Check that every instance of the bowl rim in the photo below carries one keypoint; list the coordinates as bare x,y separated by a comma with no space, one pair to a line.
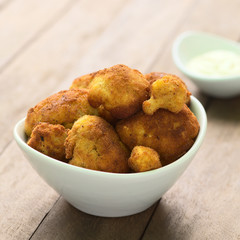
191,74
191,152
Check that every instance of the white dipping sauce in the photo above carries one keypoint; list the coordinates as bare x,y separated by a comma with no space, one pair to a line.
216,63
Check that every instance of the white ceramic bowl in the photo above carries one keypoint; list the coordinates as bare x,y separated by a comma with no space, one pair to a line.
191,44
110,194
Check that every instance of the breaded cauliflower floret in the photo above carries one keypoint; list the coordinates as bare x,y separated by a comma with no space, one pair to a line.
168,93
153,76
49,139
119,89
64,108
93,143
170,134
83,81
144,159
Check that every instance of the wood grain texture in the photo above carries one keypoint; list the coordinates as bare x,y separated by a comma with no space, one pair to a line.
91,61
134,37
216,17
41,68
75,224
24,197
204,203
54,45
22,192
24,22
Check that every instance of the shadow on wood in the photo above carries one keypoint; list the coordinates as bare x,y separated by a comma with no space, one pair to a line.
75,224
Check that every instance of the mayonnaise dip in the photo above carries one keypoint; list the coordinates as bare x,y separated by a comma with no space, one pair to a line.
216,63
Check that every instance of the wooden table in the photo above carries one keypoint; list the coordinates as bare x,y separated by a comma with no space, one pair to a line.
45,45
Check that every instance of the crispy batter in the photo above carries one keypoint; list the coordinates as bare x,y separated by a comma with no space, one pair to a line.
170,134
144,159
93,143
169,93
64,107
83,81
120,89
49,139
153,76
106,115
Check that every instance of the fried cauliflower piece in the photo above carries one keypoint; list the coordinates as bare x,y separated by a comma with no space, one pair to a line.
64,108
93,143
83,81
153,76
169,93
120,89
170,134
106,115
49,139
144,159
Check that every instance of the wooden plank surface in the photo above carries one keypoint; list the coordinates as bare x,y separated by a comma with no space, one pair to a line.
47,61
216,17
75,224
23,94
205,202
25,22
57,33
59,41
134,37
110,53
200,205
25,198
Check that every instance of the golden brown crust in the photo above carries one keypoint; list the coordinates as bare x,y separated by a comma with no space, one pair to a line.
169,93
120,89
93,143
170,134
83,81
106,115
154,76
144,159
115,93
49,139
64,108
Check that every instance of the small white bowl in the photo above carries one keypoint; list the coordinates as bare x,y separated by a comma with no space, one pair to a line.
191,44
110,194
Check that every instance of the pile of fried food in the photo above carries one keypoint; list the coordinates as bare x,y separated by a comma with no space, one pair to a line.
115,120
